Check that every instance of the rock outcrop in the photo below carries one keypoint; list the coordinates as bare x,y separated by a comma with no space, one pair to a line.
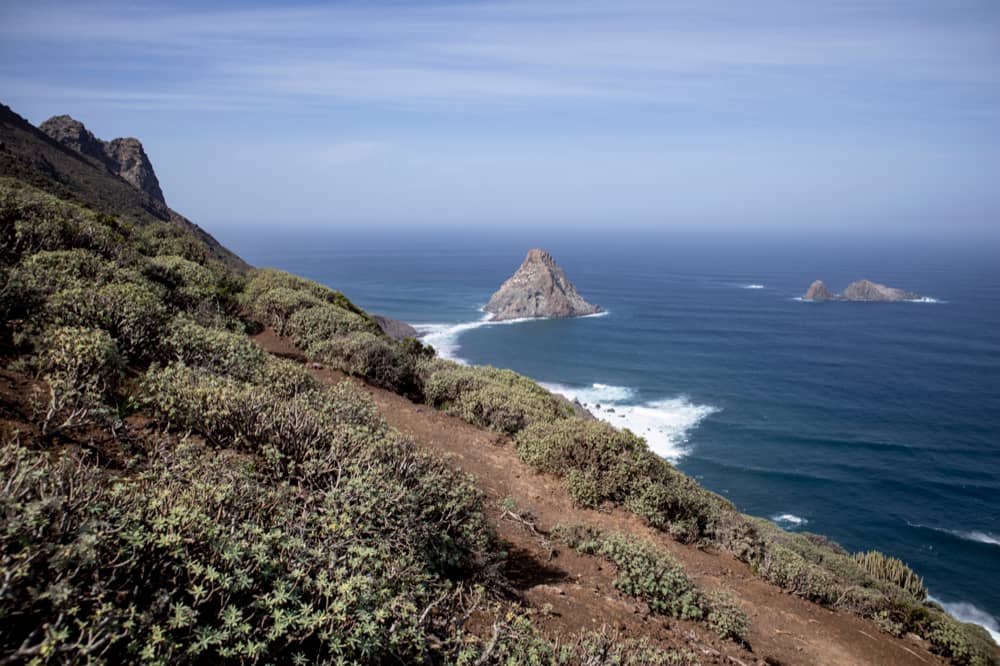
124,158
861,290
865,290
539,288
394,328
817,291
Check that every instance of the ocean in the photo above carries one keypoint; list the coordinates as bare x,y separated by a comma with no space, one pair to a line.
877,425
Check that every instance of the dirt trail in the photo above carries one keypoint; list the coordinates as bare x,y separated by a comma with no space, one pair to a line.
578,590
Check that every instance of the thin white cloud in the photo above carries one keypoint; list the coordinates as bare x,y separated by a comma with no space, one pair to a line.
712,54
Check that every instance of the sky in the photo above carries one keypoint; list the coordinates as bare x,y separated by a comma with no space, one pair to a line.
876,116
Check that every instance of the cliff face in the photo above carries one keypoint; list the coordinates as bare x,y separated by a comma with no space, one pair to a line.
124,158
861,290
539,288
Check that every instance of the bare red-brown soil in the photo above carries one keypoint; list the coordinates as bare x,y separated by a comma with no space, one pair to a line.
576,592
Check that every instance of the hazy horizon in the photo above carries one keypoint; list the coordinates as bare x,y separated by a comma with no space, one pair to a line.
879,117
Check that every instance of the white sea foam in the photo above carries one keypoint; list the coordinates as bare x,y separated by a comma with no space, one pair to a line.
968,535
596,394
444,337
789,520
664,424
966,612
924,299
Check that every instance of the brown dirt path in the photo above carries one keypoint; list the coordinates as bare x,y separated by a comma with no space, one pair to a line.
577,591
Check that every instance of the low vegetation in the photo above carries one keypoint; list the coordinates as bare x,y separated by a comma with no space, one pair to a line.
179,496
654,577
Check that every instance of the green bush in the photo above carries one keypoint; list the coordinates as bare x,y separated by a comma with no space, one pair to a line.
223,352
598,461
320,323
166,239
50,271
787,569
378,359
200,560
961,642
34,221
647,573
275,307
516,640
305,437
501,400
266,279
132,313
187,283
81,366
726,617
892,570
285,378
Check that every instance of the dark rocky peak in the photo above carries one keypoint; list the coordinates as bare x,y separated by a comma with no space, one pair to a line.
124,158
71,133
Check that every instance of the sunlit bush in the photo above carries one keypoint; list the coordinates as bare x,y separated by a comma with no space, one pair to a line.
379,359
81,366
201,560
598,461
220,351
645,572
501,400
134,314
316,324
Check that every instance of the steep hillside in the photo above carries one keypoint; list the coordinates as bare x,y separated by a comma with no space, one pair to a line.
204,466
115,178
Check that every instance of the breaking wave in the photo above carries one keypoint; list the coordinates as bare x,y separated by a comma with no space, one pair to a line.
789,520
665,424
966,612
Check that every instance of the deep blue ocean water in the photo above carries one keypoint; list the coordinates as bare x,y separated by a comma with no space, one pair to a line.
877,425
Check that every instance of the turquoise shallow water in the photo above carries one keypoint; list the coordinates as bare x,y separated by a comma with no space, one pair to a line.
875,424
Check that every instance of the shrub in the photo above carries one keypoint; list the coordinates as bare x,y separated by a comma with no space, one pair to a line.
962,642
202,561
35,221
378,359
266,279
643,571
305,437
166,239
81,366
317,324
133,314
54,270
598,461
276,306
726,617
501,400
187,282
516,640
220,351
892,570
285,378
787,569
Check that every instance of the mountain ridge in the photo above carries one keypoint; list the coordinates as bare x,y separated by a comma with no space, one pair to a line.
116,177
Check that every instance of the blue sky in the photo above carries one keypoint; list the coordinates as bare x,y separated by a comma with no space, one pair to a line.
879,115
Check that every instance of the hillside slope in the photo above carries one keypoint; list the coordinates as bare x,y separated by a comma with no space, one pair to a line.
199,465
30,155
